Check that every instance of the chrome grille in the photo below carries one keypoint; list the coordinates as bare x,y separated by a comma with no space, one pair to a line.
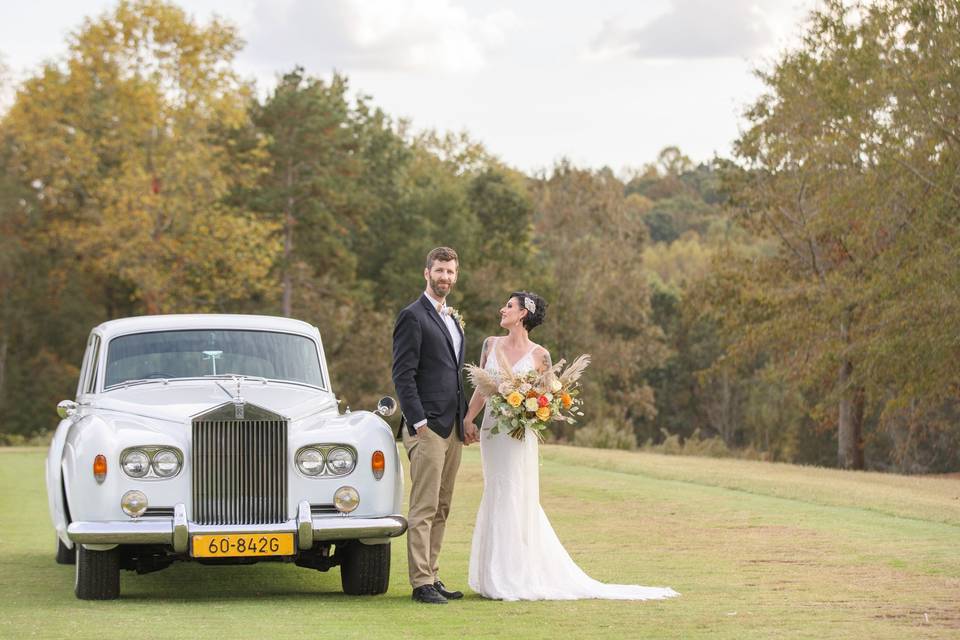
239,471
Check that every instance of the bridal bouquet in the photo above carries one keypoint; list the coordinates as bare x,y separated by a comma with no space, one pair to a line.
530,400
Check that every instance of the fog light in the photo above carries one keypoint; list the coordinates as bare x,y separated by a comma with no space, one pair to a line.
134,503
346,499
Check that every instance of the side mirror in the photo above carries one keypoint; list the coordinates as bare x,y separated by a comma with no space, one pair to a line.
66,408
387,406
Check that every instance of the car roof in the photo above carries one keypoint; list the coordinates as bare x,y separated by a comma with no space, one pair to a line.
180,322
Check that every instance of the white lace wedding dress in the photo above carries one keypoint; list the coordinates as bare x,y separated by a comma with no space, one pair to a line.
515,553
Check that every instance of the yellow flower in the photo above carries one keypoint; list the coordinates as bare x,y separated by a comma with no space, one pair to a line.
543,413
514,399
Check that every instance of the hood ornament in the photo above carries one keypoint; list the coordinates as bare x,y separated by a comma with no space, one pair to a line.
238,401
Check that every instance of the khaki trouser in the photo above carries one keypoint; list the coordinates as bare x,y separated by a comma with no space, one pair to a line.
433,470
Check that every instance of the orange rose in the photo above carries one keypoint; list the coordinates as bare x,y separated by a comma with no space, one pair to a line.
543,413
566,400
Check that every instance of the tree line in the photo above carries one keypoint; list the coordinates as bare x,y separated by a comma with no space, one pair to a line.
795,302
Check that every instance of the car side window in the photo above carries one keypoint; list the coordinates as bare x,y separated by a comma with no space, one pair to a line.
92,365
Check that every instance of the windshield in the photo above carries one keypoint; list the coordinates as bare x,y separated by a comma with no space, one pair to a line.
192,354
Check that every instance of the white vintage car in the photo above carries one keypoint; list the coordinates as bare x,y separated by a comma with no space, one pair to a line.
218,439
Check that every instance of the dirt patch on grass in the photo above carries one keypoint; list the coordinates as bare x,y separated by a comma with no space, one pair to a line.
936,617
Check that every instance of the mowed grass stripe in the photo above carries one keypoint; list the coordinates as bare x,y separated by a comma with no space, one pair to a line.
757,560
936,499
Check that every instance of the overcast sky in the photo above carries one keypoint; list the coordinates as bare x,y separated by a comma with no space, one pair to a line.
604,82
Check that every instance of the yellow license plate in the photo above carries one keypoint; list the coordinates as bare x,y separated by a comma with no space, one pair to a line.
243,544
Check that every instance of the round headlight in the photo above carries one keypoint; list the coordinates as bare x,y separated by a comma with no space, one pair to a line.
346,499
135,463
166,463
134,503
310,462
340,461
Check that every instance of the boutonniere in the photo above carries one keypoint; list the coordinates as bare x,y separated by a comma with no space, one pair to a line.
453,313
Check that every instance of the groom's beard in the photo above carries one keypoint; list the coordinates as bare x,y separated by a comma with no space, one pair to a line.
441,290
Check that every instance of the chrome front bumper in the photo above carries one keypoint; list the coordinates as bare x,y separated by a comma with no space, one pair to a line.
177,531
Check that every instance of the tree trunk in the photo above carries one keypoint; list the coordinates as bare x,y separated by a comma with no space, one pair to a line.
4,344
287,279
719,407
850,426
727,408
288,248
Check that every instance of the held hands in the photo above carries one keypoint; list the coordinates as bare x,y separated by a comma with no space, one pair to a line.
470,433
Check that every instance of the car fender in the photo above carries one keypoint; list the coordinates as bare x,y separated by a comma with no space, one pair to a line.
366,432
53,476
109,435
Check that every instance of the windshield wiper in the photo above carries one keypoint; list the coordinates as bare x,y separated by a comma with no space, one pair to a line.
261,379
129,383
231,376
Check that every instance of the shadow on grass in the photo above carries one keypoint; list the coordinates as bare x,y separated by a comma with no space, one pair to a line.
36,575
188,581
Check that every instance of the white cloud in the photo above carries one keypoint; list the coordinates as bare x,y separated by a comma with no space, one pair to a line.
407,35
690,29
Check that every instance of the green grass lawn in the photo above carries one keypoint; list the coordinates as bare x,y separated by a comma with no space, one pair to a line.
757,550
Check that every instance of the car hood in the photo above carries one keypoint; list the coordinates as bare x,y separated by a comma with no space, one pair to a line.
179,401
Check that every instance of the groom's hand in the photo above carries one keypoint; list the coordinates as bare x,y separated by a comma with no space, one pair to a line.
470,434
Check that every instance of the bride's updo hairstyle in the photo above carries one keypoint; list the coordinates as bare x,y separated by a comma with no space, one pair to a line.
527,300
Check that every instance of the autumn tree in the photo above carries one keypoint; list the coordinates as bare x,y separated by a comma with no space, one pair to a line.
116,162
591,243
125,145
313,186
850,165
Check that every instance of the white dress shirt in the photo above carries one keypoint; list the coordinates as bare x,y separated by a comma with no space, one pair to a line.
447,320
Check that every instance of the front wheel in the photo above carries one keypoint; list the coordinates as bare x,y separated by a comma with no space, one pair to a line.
98,574
65,555
365,568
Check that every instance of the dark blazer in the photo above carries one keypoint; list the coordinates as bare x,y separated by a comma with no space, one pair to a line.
426,371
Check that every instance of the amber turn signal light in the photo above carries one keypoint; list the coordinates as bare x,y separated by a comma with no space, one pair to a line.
100,468
377,463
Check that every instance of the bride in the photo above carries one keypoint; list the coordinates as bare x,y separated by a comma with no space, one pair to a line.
515,553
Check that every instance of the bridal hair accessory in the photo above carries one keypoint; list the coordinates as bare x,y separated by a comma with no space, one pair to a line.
529,305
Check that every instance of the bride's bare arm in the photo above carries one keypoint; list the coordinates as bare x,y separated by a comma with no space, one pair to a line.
477,400
542,359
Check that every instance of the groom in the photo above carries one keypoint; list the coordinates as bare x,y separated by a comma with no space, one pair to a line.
428,348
